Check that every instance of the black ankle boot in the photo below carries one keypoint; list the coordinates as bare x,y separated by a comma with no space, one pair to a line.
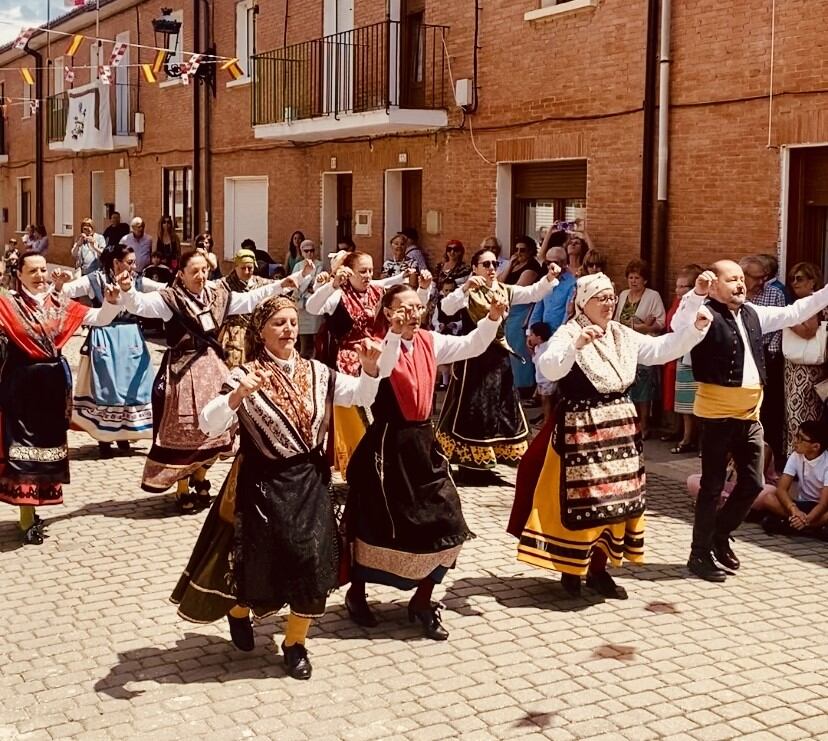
297,661
241,632
358,610
605,585
571,584
430,620
104,451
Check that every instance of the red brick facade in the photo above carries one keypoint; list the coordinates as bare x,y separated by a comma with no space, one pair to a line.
570,85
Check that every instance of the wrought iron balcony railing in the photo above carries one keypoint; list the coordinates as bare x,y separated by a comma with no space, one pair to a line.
122,107
386,65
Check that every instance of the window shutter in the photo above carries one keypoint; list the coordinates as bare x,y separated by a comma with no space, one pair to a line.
550,180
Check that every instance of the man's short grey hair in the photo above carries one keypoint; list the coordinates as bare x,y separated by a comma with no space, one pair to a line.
753,260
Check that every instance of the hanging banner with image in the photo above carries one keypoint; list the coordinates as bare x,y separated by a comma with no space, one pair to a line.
89,119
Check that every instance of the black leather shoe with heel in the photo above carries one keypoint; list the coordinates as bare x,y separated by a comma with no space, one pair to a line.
430,620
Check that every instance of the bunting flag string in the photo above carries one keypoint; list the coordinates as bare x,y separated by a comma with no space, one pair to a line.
118,53
68,74
26,75
74,45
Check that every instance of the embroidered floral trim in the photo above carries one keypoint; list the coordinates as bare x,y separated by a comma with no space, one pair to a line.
39,455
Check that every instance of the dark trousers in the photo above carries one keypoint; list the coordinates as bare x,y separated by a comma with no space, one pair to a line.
744,441
772,413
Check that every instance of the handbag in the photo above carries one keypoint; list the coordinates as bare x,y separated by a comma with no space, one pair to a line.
805,352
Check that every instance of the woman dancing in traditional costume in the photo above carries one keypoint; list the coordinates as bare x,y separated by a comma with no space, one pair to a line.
113,391
271,539
588,503
481,422
234,329
190,375
350,298
403,512
36,389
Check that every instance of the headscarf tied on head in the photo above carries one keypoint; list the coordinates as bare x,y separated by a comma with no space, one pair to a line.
589,286
253,340
244,256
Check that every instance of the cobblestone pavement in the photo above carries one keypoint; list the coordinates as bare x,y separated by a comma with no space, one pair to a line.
92,649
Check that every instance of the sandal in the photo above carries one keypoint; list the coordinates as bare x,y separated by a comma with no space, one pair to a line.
185,503
683,448
201,494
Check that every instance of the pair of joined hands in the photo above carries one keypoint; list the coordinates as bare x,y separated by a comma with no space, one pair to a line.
593,331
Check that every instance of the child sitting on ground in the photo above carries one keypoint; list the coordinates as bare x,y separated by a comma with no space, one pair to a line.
808,467
537,341
769,476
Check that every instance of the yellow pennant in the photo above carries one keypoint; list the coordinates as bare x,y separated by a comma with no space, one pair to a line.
159,61
149,74
26,75
74,45
232,66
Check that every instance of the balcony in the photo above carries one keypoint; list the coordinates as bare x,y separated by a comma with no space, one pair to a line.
389,77
92,118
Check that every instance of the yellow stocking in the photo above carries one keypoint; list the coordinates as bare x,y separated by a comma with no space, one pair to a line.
296,630
27,517
239,611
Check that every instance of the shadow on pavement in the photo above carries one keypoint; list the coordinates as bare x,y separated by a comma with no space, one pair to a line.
518,591
10,537
669,498
195,658
153,507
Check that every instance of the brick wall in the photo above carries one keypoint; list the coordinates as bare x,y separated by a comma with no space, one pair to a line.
567,86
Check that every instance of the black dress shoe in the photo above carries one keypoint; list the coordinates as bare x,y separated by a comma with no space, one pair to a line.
724,554
571,584
241,633
359,611
123,446
297,662
430,620
33,536
705,568
605,585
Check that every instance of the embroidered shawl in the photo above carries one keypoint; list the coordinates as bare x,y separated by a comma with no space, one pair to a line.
362,309
290,413
40,330
610,361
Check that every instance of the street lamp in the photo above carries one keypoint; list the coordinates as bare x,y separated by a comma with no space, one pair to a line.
167,30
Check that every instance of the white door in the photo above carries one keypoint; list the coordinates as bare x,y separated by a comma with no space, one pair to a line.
122,108
338,24
98,207
122,204
245,213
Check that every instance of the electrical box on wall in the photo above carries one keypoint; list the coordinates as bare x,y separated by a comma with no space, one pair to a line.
464,92
434,222
139,122
362,223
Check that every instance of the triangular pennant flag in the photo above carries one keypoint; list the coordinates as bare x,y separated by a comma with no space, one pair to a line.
34,105
160,57
74,45
105,74
149,73
118,52
233,68
185,74
74,3
23,38
68,74
193,65
26,75
4,110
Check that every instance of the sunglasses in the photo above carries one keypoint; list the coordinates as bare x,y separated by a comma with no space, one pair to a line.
308,251
487,263
800,278
454,249
592,264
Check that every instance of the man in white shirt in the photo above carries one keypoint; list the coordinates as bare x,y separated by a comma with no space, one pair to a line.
729,366
140,243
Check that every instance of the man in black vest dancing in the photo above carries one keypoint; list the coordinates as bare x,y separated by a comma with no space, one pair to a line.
729,366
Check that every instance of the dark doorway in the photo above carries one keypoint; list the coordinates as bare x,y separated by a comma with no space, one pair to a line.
412,199
807,237
344,206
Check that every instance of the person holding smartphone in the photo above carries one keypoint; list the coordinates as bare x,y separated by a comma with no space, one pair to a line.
88,248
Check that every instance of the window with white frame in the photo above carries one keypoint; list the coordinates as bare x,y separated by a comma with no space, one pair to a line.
24,203
555,7
64,202
177,199
96,57
58,79
245,34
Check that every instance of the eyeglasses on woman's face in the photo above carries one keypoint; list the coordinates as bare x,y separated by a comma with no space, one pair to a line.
799,278
605,299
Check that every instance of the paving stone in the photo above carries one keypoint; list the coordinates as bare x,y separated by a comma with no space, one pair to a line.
93,649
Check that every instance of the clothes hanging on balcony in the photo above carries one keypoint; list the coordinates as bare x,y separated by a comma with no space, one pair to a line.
88,118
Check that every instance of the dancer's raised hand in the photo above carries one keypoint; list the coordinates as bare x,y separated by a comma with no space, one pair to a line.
369,352
588,335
